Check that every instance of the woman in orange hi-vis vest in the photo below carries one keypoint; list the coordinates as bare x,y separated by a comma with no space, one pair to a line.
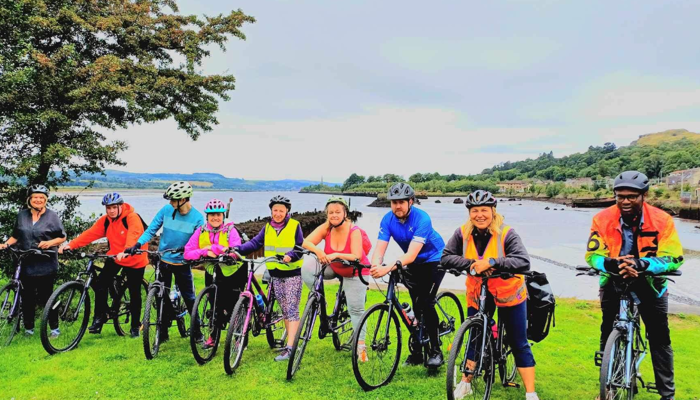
485,244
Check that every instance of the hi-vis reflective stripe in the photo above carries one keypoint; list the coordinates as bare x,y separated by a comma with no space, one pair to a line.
279,249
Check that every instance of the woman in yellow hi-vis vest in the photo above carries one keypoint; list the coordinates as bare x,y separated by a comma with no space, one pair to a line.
279,236
485,244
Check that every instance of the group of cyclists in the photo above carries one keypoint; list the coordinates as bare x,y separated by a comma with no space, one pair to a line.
625,239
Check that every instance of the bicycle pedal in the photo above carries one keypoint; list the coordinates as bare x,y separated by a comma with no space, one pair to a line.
651,387
598,358
512,385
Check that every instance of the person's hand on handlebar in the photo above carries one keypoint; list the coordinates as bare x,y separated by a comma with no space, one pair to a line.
63,248
377,271
45,244
481,267
286,258
322,256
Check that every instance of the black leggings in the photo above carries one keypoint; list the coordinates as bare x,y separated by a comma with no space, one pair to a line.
424,280
37,290
134,277
229,289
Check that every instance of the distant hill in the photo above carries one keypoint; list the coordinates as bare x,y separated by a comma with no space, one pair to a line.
671,135
131,180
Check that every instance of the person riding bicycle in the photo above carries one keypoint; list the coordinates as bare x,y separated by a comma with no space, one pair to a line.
37,227
484,244
179,220
213,239
629,237
279,237
412,229
122,227
343,240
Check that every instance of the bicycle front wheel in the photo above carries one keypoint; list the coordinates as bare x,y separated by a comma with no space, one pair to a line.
506,366
204,321
9,322
121,308
450,316
236,337
276,332
471,362
152,324
70,316
377,364
613,384
342,331
306,327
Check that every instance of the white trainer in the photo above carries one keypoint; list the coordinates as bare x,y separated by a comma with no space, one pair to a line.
462,390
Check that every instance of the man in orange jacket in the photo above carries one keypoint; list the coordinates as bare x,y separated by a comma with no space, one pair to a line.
122,227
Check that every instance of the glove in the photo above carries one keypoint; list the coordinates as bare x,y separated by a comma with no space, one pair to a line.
611,265
640,265
133,249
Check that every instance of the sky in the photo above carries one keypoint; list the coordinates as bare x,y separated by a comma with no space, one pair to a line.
328,88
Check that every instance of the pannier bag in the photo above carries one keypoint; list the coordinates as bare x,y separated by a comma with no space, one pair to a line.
540,306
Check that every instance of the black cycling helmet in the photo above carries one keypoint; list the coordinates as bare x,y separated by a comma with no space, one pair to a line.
281,200
400,191
480,198
37,189
632,180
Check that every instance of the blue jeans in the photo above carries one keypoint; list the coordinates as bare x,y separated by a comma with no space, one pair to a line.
515,320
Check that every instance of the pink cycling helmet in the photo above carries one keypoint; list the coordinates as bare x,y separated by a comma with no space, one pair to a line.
215,206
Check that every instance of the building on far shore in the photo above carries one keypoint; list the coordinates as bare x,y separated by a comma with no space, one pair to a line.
513,186
689,176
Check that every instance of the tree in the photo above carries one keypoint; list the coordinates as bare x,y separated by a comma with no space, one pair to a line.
417,178
69,68
391,178
353,180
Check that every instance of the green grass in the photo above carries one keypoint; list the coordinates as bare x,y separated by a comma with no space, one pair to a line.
110,367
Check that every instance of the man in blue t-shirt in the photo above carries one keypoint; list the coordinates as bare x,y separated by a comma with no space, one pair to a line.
179,220
413,231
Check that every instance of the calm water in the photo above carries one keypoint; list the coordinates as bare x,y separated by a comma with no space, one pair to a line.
558,236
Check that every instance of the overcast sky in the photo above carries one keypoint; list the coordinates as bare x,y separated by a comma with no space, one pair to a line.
328,88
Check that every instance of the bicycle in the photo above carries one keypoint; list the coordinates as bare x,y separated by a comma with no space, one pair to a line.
264,311
159,305
205,316
625,347
337,324
11,297
383,337
476,357
71,303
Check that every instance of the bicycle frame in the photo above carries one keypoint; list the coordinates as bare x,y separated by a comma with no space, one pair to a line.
319,292
253,286
627,322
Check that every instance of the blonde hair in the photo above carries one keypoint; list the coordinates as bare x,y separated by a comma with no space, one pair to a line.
494,227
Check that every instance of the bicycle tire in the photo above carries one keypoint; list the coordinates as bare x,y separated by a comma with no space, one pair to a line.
62,301
450,317
275,331
457,361
151,326
302,337
121,313
238,328
612,388
342,331
206,319
185,321
506,366
9,324
374,327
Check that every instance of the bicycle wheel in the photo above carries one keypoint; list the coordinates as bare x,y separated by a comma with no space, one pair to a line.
342,331
275,331
72,316
237,334
450,316
151,326
183,318
9,324
613,385
121,311
205,321
383,345
471,361
306,327
506,366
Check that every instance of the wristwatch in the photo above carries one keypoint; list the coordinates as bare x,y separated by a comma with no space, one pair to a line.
492,262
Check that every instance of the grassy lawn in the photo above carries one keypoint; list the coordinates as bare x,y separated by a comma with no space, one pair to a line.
108,366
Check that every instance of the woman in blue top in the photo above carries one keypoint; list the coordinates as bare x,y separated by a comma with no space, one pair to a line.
413,231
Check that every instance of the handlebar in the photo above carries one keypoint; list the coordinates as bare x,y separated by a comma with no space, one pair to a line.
471,272
160,253
39,252
355,264
584,270
91,256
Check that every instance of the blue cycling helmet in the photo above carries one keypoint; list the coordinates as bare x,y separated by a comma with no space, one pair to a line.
111,199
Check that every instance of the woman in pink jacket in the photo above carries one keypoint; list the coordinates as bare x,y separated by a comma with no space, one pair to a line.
211,240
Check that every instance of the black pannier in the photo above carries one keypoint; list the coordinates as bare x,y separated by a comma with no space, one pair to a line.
540,306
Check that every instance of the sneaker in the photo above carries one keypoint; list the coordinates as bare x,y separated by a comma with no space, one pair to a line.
362,353
284,354
531,396
97,323
29,332
134,333
54,333
413,359
435,359
462,390
208,344
198,336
